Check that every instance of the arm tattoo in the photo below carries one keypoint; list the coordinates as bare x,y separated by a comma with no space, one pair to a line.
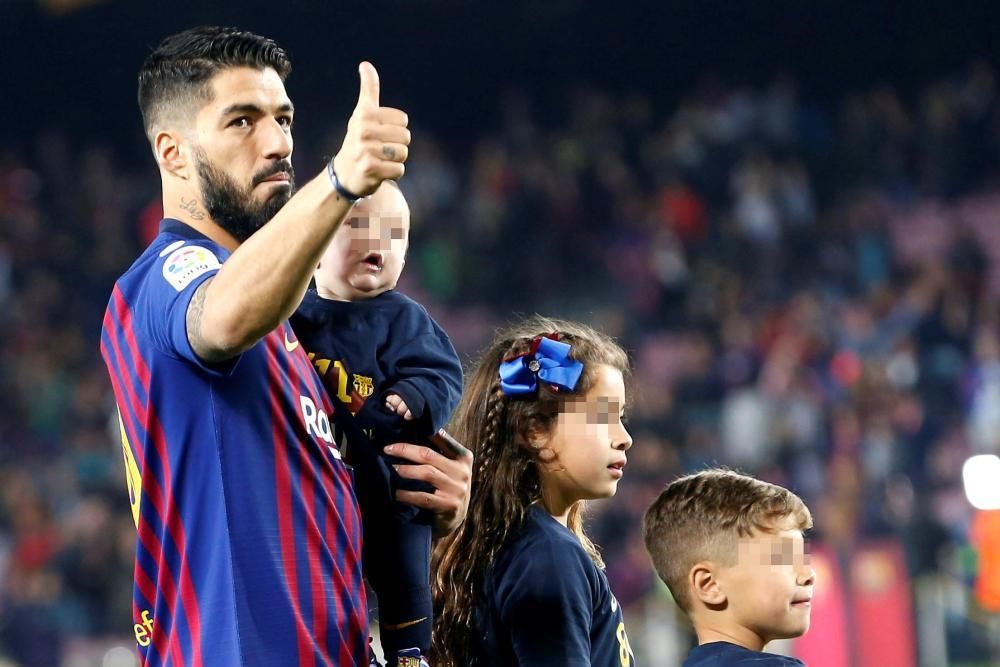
191,206
195,311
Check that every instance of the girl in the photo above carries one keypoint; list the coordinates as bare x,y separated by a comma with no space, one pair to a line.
519,583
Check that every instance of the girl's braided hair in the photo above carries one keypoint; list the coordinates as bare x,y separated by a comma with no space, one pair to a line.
505,479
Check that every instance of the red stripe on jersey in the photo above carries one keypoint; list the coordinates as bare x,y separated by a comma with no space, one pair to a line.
151,490
175,526
157,646
350,515
126,395
344,653
160,640
314,538
307,371
283,493
342,613
313,555
145,585
357,621
166,583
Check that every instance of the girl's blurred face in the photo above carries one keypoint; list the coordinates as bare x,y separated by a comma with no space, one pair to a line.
587,445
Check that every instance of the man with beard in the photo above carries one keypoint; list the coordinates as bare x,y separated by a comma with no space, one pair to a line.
249,543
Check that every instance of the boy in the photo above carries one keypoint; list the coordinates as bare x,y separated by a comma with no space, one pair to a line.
730,549
394,369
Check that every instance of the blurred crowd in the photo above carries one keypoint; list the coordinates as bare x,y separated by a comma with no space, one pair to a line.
810,292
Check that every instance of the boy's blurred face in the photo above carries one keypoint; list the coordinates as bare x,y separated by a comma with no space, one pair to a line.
769,588
367,253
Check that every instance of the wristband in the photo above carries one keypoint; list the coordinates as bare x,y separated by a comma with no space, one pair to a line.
338,186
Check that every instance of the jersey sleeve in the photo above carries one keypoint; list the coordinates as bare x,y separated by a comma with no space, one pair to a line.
171,281
545,600
426,369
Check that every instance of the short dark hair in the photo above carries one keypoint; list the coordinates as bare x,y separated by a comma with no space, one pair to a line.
179,70
698,517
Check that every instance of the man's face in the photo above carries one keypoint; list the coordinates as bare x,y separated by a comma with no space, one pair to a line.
243,149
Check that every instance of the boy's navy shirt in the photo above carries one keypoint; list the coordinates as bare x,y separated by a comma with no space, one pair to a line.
724,654
546,603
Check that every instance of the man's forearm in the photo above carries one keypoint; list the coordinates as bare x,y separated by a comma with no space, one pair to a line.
264,280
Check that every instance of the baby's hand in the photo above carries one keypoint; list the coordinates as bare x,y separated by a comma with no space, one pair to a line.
396,404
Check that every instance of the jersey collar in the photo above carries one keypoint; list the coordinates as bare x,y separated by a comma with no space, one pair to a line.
174,226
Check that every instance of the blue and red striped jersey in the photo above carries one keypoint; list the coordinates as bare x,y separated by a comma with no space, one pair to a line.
249,535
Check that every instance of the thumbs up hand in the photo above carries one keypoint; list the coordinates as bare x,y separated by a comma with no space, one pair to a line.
377,140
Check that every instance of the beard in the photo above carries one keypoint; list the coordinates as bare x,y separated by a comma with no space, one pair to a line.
235,208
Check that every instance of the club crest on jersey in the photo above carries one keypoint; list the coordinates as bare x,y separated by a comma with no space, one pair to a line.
363,385
187,263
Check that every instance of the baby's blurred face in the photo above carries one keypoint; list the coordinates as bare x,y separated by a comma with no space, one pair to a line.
366,256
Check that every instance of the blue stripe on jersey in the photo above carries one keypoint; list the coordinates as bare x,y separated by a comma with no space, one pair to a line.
319,460
308,553
356,606
132,387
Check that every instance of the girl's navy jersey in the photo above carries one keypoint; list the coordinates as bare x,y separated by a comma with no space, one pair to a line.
249,535
364,349
546,603
724,654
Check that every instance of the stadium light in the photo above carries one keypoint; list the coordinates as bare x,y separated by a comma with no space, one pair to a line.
981,475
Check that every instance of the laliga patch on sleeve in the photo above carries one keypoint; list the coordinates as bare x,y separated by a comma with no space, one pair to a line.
187,263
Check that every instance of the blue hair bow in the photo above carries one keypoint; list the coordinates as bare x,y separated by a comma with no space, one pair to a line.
548,361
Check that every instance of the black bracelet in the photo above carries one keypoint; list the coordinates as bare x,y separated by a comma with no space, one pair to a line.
338,186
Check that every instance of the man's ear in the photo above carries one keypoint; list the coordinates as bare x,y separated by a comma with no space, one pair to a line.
173,154
704,583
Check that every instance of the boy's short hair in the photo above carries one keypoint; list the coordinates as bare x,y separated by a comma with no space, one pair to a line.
699,517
